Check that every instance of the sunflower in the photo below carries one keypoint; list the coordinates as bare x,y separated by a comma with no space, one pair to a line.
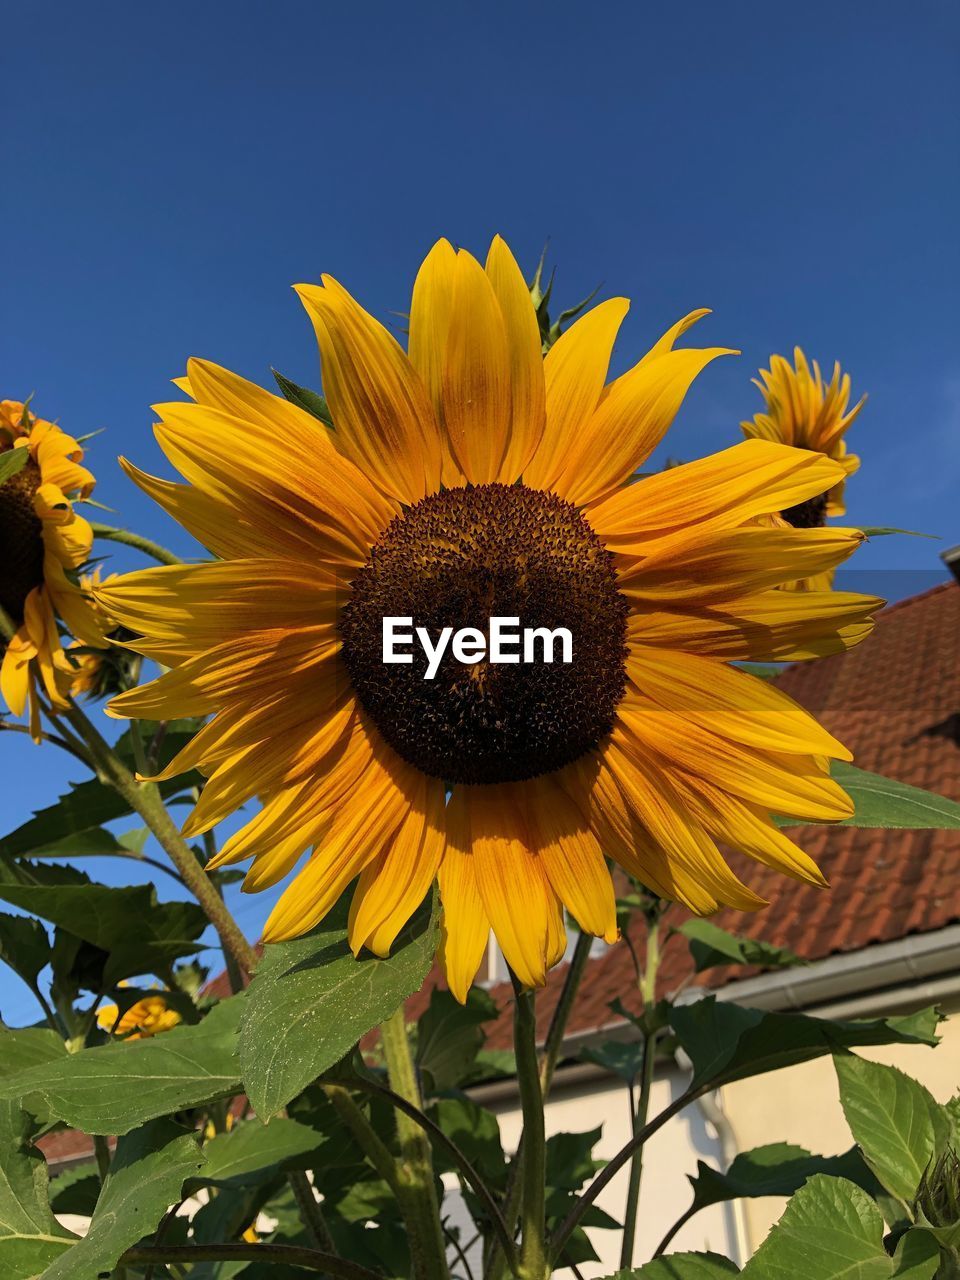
43,540
803,411
147,1017
467,479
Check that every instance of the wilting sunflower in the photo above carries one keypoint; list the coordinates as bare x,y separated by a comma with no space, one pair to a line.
42,540
465,479
804,411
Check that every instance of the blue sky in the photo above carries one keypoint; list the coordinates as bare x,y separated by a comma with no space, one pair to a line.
172,170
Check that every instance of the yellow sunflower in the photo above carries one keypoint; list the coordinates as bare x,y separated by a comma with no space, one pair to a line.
148,1017
43,540
804,411
469,479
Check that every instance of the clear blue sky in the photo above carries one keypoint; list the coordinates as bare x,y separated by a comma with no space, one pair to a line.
171,170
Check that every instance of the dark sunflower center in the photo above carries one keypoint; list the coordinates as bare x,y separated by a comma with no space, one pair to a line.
811,514
21,540
458,559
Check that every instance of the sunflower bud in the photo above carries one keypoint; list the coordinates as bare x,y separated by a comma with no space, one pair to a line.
938,1198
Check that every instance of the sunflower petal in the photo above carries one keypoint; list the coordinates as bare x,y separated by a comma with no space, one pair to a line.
464,927
382,414
630,422
476,387
730,703
363,826
726,489
521,906
704,568
574,371
430,310
572,859
768,626
390,890
527,415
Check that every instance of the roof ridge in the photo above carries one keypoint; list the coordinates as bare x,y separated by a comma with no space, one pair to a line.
921,595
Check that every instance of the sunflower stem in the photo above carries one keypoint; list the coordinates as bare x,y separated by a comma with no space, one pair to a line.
551,1053
376,1151
648,989
533,1259
149,548
144,799
311,1215
419,1192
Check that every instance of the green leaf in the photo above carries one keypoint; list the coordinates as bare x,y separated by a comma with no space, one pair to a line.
476,1131
832,1230
894,1119
450,1035
683,1266
115,1087
250,1147
24,946
569,1159
623,1058
710,946
12,462
28,1047
140,934
30,1236
76,1191
778,1169
877,532
726,1041
311,1001
882,802
87,805
312,401
146,1176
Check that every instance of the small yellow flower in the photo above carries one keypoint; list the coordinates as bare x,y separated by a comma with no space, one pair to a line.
43,541
148,1017
250,1235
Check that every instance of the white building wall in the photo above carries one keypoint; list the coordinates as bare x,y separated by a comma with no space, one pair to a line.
671,1154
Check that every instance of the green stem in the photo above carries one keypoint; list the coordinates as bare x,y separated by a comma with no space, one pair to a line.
102,1153
292,1255
376,1151
310,1212
146,545
551,1053
613,1167
636,1162
467,1170
561,1014
51,1018
648,989
680,1222
234,972
52,738
416,1164
533,1261
144,799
